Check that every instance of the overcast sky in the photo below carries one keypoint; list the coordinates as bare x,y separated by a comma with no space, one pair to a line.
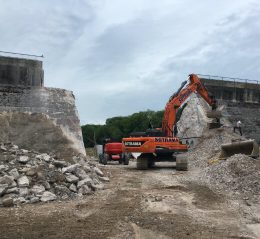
126,56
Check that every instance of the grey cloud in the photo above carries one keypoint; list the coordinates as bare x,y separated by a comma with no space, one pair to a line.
122,58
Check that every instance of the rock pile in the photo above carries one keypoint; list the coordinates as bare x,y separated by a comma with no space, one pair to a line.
209,147
238,174
29,177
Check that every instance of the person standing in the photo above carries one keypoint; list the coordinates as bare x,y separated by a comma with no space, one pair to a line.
238,126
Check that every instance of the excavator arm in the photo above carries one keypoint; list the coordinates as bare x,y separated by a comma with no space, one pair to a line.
193,85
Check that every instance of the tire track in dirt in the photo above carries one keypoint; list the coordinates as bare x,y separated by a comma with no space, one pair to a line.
135,204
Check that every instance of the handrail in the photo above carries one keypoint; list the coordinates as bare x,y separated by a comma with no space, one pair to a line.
21,54
212,77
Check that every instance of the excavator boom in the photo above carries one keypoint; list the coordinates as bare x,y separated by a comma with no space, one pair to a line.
194,85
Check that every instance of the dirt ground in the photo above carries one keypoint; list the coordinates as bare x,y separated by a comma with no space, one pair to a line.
135,204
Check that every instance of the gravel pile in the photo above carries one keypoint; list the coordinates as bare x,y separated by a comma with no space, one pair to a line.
209,147
30,177
239,174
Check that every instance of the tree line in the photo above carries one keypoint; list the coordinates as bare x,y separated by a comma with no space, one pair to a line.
121,126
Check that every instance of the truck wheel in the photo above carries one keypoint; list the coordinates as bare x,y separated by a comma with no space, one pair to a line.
181,163
100,157
151,163
121,159
142,162
105,159
126,159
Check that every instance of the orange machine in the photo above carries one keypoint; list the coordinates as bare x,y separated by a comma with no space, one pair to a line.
160,144
112,151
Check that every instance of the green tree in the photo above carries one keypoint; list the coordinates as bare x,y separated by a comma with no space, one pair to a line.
119,127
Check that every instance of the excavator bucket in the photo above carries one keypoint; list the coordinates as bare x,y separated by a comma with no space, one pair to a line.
247,147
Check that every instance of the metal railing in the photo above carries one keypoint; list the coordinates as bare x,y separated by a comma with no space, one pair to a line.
225,78
21,54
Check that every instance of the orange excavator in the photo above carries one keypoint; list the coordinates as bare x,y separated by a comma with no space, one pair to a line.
160,144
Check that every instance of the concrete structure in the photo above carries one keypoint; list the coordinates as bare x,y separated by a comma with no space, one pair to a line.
235,90
22,91
20,72
241,99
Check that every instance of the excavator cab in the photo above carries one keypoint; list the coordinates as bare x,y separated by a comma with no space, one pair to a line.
148,133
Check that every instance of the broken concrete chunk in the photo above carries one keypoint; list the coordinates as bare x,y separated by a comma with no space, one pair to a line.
34,199
48,196
98,172
51,166
14,173
84,190
14,190
99,186
46,185
8,180
24,151
3,148
3,168
23,181
73,188
37,189
71,168
87,168
61,190
104,179
23,159
44,157
3,188
31,171
86,181
23,192
20,200
80,173
60,163
55,177
15,147
71,178
8,202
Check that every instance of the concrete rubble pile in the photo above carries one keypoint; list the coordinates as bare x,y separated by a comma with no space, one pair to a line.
30,177
239,174
208,147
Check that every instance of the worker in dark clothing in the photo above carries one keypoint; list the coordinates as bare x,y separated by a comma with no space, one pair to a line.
238,126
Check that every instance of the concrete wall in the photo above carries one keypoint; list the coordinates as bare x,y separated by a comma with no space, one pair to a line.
20,72
26,94
241,101
235,91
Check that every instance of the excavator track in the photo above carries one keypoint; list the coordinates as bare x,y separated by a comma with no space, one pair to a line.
145,161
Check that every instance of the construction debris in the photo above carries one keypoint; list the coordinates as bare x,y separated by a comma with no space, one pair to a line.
237,176
29,177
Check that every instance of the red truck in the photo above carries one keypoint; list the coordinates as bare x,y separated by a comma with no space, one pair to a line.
112,151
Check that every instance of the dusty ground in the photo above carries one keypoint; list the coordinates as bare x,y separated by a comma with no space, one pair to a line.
135,204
